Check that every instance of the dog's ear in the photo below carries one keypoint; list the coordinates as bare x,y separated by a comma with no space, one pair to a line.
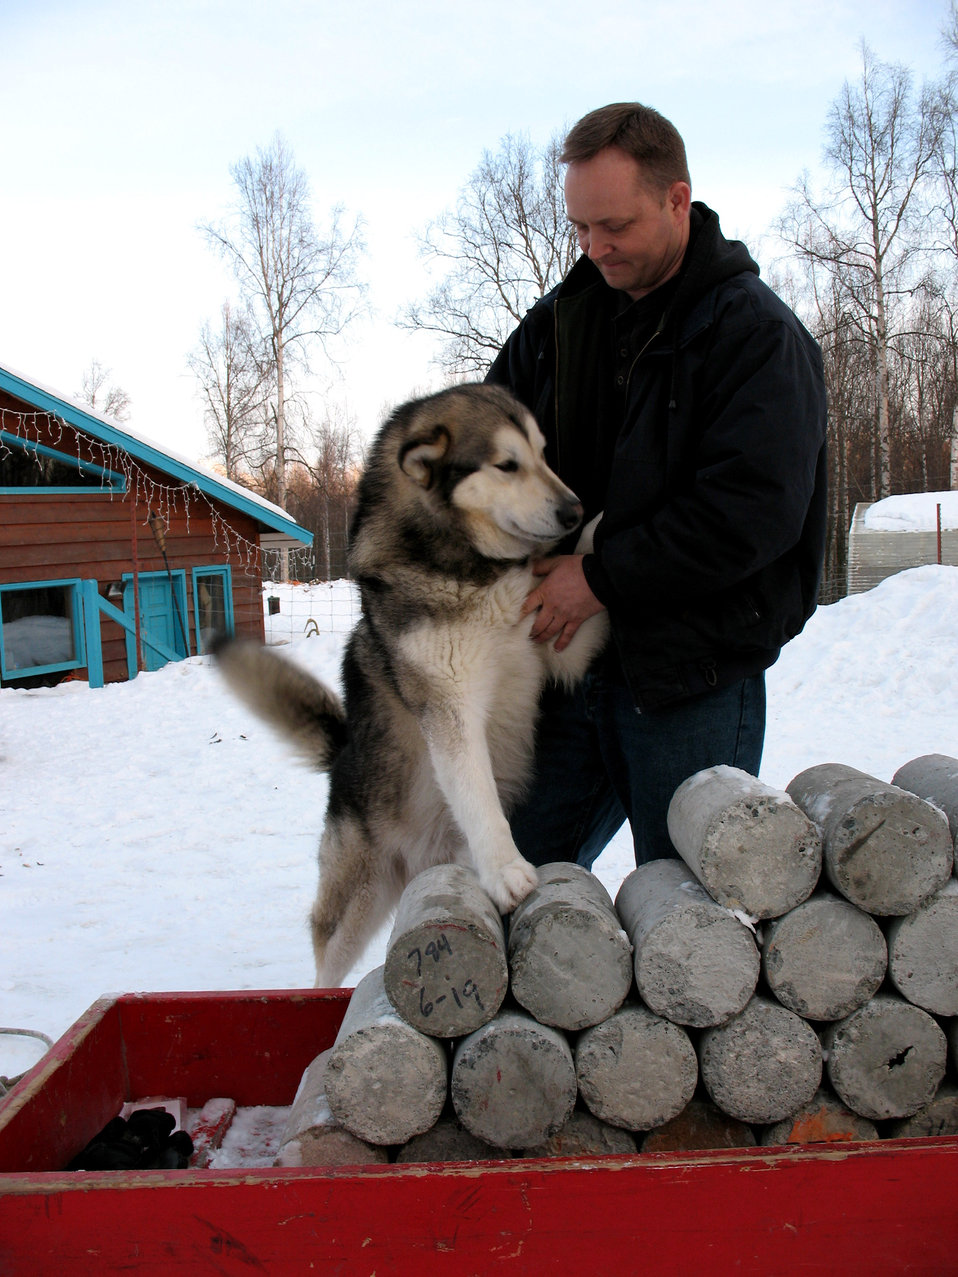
419,457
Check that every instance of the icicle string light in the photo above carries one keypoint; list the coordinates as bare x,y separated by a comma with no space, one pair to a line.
46,429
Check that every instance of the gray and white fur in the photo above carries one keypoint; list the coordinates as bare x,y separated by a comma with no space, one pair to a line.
433,741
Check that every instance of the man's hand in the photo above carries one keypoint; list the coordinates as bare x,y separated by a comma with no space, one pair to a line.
562,599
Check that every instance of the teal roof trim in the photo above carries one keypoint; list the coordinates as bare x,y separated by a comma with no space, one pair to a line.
110,433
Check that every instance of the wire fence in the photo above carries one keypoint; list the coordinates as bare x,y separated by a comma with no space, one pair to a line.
294,611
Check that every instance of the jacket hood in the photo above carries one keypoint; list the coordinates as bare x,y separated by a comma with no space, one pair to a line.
710,258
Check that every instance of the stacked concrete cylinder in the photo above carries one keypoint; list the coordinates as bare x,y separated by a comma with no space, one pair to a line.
790,979
461,1046
863,959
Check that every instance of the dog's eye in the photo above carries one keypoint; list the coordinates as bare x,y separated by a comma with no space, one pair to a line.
508,467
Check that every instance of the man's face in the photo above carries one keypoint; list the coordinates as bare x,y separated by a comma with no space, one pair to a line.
635,235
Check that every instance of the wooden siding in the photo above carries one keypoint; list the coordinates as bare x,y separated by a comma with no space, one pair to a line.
90,535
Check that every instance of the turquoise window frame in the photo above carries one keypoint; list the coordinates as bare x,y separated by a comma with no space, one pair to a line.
78,661
225,573
110,480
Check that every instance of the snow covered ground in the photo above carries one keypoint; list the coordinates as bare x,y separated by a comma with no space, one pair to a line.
155,836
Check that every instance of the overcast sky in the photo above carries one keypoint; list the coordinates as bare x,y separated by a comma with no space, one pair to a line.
119,120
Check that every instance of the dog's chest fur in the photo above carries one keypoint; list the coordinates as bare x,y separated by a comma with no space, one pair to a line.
473,643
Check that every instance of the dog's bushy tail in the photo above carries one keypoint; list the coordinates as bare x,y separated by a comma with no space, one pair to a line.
307,712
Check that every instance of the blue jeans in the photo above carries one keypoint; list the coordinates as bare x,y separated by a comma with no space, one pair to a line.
599,762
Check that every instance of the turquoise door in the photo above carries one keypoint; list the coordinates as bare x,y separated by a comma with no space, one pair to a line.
159,619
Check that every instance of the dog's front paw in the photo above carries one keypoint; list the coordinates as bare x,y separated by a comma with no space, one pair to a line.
513,883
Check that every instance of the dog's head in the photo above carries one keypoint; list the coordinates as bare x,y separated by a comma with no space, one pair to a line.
474,453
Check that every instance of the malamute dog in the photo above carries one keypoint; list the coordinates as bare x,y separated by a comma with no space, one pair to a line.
434,740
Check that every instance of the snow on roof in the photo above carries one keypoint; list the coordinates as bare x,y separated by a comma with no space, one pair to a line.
913,512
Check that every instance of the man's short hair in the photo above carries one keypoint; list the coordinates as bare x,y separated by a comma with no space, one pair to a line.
651,140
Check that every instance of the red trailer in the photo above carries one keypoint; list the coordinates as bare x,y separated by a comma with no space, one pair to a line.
869,1208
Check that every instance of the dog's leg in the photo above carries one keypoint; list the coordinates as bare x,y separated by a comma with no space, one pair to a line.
353,901
459,752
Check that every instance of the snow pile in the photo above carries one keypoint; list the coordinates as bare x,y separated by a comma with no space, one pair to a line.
870,681
154,835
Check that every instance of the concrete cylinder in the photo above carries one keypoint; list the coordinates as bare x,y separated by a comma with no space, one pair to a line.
823,1120
585,1136
933,777
570,962
385,1081
312,1136
448,1141
701,1124
513,1081
824,958
886,1059
938,1117
694,962
885,850
748,844
923,953
763,1064
635,1070
445,970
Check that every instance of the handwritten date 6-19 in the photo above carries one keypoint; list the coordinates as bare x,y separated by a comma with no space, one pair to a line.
469,990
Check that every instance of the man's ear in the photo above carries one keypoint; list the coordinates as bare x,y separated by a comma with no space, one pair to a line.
679,198
418,457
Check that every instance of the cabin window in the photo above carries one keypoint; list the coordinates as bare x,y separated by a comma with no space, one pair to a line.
212,604
40,631
33,467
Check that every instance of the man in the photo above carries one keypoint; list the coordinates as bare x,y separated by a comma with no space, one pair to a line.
685,402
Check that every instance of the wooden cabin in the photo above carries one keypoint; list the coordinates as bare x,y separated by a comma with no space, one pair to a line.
115,555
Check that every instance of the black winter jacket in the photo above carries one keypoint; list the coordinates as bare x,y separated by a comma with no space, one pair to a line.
710,550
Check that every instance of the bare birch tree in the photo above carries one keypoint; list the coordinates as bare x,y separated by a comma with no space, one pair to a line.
323,480
948,207
335,471
111,400
300,283
506,243
881,143
925,371
234,386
